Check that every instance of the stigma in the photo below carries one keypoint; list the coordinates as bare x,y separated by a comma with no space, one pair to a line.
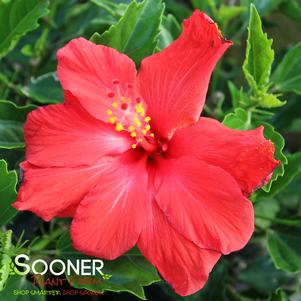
128,113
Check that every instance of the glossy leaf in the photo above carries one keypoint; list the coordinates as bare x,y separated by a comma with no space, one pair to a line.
130,272
179,9
285,250
115,9
270,101
238,97
44,89
8,183
287,76
17,17
170,30
12,119
136,33
259,54
225,13
239,119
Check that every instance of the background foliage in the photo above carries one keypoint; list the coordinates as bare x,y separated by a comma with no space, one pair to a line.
258,82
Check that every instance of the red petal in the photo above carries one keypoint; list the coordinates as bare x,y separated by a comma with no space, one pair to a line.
57,191
205,204
109,220
66,135
180,262
89,72
246,155
174,82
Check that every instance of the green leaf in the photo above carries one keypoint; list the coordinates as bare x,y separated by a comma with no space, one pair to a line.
259,54
279,295
8,183
270,101
5,256
238,97
130,272
115,9
178,9
170,30
287,76
278,141
285,250
12,119
225,12
17,284
17,17
262,276
44,89
239,120
136,33
292,169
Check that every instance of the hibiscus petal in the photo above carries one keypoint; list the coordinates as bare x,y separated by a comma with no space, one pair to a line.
174,82
204,203
57,191
94,74
109,220
246,155
180,262
66,135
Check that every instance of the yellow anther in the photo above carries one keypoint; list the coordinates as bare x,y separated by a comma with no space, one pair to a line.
144,132
119,127
147,119
133,134
152,135
115,105
139,140
148,127
137,108
112,119
131,128
137,122
109,112
142,112
134,146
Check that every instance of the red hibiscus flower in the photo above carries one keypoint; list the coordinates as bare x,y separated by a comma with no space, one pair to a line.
128,157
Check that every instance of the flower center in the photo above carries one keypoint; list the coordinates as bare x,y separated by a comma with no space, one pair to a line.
127,113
